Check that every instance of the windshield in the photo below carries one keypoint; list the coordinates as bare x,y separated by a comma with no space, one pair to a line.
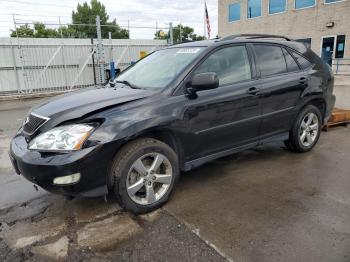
159,69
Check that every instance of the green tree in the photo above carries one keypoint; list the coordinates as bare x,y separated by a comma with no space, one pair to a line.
40,31
86,14
180,34
23,31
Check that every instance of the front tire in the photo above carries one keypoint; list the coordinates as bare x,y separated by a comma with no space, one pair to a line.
306,130
143,175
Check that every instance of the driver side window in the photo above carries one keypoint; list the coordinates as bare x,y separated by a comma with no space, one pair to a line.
231,64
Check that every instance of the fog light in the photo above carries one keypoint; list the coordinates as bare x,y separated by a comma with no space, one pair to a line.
66,180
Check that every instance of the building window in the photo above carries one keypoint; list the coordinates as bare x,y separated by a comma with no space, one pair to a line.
234,13
277,6
304,3
332,1
254,8
339,49
305,41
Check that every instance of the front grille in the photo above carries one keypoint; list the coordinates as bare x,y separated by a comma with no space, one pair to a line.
33,123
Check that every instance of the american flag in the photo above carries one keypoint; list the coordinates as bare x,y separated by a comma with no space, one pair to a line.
207,20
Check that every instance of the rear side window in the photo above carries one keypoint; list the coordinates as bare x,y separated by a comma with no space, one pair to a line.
270,60
303,62
292,66
231,64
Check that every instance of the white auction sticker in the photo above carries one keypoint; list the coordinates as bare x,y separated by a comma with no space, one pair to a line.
188,51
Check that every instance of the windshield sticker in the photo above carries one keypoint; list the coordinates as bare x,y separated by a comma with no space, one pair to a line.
188,51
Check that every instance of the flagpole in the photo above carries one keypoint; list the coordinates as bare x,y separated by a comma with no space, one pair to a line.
204,21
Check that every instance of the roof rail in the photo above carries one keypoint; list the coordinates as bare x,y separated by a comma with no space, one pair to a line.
253,36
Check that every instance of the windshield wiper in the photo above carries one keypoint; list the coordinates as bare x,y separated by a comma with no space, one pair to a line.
125,82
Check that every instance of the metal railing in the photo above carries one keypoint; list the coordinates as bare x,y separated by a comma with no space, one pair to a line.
341,66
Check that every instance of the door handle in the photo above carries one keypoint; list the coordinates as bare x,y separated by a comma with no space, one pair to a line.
253,91
303,80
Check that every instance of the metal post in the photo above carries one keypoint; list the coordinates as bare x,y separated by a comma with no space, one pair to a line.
20,51
180,33
204,22
171,33
63,59
337,66
157,30
15,65
100,53
129,28
93,60
111,62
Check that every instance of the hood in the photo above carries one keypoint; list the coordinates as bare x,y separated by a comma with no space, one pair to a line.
82,102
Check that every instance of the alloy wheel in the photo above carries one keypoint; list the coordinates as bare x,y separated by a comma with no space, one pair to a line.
309,129
149,178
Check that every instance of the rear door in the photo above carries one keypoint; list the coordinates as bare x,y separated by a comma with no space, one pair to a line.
281,85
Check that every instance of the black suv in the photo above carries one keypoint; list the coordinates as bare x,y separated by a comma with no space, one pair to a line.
172,111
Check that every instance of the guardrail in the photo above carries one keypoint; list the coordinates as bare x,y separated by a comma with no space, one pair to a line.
341,66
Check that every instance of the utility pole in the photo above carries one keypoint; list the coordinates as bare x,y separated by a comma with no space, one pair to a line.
171,33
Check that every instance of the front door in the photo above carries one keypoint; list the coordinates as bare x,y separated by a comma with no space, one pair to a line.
228,116
327,49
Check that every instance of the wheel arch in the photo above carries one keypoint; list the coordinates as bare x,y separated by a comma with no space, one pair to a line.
166,136
318,102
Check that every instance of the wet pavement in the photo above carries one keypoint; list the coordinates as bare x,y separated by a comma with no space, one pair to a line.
265,204
38,226
272,205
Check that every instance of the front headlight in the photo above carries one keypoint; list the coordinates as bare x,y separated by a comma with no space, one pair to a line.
63,138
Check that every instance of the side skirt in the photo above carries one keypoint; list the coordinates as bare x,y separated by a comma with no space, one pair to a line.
202,160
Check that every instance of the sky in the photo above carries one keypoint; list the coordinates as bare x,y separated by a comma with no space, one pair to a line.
147,13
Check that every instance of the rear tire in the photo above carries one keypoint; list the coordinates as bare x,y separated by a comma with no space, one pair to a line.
143,175
306,130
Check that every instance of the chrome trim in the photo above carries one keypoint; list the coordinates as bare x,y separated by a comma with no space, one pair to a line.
39,116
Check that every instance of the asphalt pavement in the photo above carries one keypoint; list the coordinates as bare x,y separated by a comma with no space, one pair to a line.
265,204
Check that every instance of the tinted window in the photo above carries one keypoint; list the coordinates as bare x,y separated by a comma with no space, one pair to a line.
304,63
292,66
331,1
234,13
160,68
270,60
304,3
277,6
231,64
254,8
305,41
339,50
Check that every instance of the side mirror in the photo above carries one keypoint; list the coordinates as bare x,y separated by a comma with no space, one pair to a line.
205,81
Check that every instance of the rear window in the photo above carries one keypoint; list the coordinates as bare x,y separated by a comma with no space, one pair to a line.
270,60
292,66
303,62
